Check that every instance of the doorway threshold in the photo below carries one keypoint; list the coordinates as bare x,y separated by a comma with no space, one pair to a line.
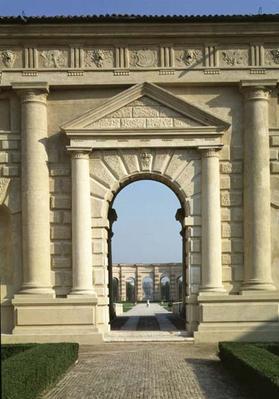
148,336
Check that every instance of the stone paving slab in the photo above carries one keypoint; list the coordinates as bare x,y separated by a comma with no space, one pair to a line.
147,371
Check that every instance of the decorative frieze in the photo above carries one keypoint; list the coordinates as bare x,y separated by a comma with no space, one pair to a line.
53,58
236,57
10,58
144,57
188,57
272,56
100,58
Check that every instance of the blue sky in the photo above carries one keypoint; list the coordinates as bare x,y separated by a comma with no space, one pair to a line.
54,7
146,230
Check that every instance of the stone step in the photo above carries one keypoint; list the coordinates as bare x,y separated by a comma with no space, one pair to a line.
148,336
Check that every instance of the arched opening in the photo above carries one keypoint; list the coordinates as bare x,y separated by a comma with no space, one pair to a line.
130,289
165,288
179,282
115,289
147,286
146,242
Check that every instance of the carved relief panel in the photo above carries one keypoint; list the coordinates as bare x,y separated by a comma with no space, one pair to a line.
144,57
233,56
99,58
53,58
11,58
188,57
272,55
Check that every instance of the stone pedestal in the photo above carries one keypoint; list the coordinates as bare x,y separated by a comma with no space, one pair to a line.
257,249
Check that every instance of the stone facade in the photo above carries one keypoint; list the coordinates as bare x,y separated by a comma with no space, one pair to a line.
157,274
81,117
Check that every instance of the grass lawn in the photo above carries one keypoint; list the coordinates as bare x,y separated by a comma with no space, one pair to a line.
127,306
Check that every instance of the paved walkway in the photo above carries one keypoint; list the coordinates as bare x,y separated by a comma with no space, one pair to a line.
153,310
147,371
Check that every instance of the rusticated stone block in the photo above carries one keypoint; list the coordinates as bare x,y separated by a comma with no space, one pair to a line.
10,144
145,112
231,167
60,232
274,141
225,154
10,171
273,154
226,259
67,217
60,202
159,122
231,199
3,157
55,216
237,214
274,167
226,245
133,123
225,182
15,156
62,170
226,273
237,245
125,112
60,262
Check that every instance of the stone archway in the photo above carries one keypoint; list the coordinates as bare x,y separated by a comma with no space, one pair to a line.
145,132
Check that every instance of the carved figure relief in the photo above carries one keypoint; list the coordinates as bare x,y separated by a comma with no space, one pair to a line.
98,58
8,58
54,58
234,57
145,158
144,58
188,57
272,56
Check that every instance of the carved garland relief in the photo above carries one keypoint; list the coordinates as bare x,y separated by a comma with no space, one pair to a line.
272,56
188,57
98,58
234,58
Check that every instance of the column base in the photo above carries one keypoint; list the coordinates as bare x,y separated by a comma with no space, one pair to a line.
31,290
82,293
253,285
212,291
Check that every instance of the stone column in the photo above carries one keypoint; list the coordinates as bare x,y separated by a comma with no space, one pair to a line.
35,190
81,224
257,239
211,223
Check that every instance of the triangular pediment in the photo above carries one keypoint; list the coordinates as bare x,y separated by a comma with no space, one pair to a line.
144,106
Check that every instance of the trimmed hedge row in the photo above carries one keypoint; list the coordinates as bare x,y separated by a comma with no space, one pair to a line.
28,373
254,364
9,350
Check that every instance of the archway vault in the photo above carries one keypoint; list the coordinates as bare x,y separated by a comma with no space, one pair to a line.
145,132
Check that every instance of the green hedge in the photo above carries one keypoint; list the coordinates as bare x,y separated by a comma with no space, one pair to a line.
28,373
9,350
254,364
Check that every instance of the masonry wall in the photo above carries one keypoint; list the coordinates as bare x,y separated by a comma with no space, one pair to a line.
63,105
